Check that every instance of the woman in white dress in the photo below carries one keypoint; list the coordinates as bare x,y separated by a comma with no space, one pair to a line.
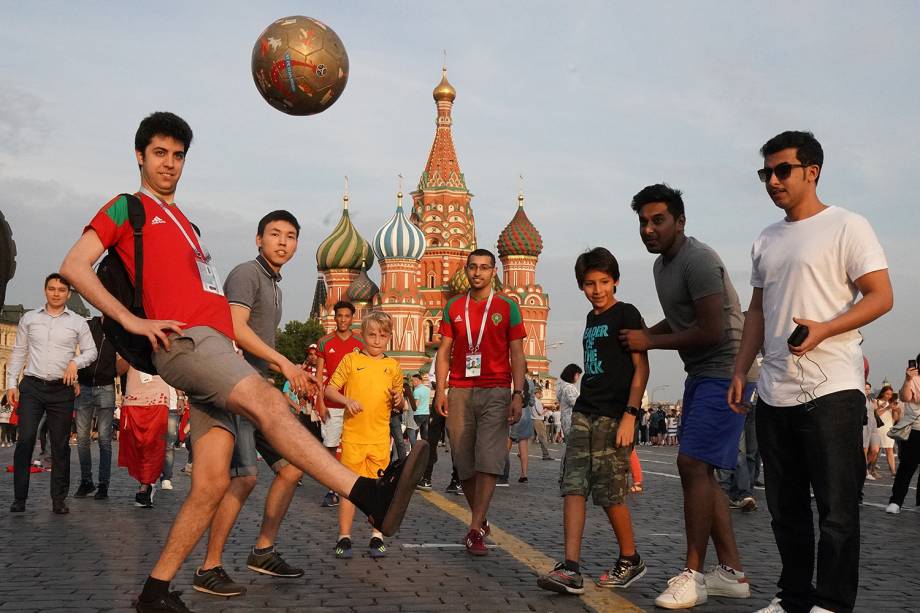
889,411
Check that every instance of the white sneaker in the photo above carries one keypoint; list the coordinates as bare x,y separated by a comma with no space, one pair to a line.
726,581
685,591
166,484
870,476
893,508
773,607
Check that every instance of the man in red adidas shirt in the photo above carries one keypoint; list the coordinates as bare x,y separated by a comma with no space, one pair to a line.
329,352
191,331
482,350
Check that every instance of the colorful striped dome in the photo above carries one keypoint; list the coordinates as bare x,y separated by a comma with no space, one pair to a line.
362,289
399,238
520,237
459,284
344,247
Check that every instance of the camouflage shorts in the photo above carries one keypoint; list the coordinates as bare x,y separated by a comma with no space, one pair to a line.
593,464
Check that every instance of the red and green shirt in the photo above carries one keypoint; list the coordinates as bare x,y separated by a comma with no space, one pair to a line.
503,325
332,349
172,286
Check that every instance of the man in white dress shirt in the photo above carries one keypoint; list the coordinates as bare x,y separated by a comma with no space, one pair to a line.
45,354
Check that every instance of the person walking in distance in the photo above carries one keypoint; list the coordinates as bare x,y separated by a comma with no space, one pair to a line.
808,269
481,355
703,324
189,324
96,402
329,352
45,354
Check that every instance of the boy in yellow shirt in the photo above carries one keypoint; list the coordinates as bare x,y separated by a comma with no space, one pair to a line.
370,383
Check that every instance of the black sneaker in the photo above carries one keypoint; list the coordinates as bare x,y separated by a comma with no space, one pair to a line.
18,506
343,548
394,489
424,485
216,581
86,488
623,574
376,548
170,603
331,499
271,563
562,581
455,488
103,492
145,498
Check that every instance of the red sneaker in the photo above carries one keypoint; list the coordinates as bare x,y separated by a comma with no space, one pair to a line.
486,528
474,543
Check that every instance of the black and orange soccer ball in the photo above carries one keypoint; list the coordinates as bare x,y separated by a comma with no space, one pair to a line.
299,65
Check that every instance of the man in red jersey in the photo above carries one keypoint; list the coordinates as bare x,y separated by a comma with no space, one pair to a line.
482,351
329,352
191,331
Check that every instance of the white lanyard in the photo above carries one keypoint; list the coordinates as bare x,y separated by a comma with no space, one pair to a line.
204,257
482,327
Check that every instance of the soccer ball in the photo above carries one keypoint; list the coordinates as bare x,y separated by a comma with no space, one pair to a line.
299,65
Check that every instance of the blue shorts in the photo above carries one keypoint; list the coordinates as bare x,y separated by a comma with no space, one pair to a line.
709,429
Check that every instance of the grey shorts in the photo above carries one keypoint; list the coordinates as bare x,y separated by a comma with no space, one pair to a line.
477,423
203,363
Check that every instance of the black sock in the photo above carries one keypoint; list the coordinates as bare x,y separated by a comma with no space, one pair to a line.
364,494
154,589
262,552
571,566
633,559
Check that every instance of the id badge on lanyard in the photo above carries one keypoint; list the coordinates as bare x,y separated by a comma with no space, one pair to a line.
207,271
473,355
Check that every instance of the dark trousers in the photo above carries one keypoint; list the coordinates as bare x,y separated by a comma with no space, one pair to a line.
909,457
815,446
55,401
436,429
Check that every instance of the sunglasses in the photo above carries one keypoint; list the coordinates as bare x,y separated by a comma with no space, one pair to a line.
782,171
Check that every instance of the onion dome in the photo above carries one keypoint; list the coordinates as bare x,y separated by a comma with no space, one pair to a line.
444,90
399,238
459,284
520,237
362,289
344,247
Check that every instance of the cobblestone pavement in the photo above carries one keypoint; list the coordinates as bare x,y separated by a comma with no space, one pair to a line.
96,558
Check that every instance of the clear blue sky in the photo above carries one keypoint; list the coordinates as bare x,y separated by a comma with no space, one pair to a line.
590,104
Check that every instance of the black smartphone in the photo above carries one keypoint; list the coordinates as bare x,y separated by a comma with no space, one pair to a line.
912,363
798,336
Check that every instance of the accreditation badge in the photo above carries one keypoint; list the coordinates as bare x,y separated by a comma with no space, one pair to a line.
210,280
473,364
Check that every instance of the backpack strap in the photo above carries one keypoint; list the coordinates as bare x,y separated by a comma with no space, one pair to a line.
137,217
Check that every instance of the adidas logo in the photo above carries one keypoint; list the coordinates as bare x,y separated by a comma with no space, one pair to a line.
156,220
332,350
458,318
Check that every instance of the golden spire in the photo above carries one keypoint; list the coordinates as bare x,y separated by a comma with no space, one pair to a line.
444,90
345,195
521,191
399,193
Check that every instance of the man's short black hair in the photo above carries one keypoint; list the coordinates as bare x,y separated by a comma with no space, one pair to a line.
343,304
660,192
485,253
58,276
417,376
569,372
808,150
279,215
162,123
596,259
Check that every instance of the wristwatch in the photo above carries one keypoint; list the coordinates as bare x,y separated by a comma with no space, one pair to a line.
517,393
632,411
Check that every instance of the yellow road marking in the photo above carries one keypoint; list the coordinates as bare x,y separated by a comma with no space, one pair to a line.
599,599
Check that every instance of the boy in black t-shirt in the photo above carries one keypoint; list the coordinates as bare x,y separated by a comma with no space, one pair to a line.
603,428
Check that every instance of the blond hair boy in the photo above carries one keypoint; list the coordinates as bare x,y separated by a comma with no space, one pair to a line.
370,383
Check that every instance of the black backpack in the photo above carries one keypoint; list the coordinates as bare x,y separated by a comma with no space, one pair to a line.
136,350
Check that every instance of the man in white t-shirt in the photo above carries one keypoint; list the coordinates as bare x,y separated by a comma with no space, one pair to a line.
809,269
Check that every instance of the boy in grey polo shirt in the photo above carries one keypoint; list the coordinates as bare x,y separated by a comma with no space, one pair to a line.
255,305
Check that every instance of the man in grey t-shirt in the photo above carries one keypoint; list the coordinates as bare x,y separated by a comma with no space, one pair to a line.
255,305
703,323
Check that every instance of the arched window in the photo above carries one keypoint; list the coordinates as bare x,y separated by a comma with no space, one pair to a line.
431,280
